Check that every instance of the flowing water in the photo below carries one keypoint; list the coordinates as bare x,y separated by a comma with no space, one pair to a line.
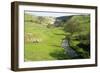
68,50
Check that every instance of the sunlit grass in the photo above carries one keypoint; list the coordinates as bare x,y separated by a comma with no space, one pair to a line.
51,41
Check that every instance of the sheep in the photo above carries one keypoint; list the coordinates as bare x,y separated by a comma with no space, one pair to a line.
29,37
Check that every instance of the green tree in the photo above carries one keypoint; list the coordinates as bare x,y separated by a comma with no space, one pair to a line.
78,29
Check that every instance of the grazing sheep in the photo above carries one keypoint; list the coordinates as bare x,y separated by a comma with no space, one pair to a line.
29,37
36,40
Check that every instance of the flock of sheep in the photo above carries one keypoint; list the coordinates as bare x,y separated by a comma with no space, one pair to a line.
29,37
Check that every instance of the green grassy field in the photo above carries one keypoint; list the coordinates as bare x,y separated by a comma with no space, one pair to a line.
43,39
49,48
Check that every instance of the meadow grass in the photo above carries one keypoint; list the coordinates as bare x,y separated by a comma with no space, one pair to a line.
50,46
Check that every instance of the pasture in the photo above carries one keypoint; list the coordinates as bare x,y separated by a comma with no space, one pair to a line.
48,45
43,36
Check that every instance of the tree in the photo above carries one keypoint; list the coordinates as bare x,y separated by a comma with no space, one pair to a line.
78,29
79,24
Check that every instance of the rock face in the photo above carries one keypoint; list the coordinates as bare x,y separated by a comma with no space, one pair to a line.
68,50
59,20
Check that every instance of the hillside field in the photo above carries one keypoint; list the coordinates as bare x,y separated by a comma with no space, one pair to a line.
43,40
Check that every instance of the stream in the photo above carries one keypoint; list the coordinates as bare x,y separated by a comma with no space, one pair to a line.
68,50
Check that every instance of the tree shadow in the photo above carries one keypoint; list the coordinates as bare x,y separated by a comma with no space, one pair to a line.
59,55
84,46
59,34
56,46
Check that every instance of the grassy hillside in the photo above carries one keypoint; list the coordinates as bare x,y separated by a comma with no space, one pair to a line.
48,45
43,39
